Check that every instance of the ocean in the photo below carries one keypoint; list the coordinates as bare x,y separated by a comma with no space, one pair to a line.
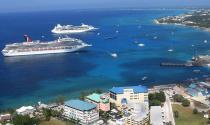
25,80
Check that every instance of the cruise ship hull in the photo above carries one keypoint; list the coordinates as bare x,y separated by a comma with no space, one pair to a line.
70,31
40,52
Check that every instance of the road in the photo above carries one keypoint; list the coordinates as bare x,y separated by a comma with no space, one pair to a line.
169,115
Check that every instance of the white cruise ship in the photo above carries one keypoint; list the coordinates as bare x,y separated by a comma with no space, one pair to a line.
69,29
61,45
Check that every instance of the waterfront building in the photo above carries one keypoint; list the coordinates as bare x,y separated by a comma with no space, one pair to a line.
81,111
139,114
25,110
101,100
156,115
121,96
5,117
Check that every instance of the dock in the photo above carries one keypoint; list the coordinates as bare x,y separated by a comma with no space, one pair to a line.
171,64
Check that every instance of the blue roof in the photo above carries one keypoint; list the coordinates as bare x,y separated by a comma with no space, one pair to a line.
136,89
80,105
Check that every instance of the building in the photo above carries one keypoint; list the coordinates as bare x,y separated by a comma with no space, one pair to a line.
139,114
156,115
5,117
101,100
25,110
81,111
131,94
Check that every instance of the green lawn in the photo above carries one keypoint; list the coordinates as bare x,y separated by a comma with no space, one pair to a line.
186,117
54,121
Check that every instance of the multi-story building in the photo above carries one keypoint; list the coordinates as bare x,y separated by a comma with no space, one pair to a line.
101,100
81,111
129,94
138,114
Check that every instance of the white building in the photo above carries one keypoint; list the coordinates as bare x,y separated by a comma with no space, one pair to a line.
5,117
25,110
139,114
84,112
156,115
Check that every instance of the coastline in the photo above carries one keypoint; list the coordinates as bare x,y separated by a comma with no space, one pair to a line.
180,24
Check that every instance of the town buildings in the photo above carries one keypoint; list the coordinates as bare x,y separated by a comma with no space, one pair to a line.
101,100
138,114
5,117
81,111
25,110
121,96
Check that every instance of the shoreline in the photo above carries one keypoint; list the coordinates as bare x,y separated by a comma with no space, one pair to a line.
180,24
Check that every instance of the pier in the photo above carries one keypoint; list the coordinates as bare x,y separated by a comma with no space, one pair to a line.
171,64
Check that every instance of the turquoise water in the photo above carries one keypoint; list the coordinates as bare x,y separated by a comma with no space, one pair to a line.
26,80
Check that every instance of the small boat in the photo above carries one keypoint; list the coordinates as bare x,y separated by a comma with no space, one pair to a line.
141,44
170,50
155,37
144,78
114,55
98,34
205,41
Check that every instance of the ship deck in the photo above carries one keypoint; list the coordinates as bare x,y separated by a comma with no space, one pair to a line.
54,44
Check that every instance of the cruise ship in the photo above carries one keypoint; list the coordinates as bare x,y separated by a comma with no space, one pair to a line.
30,47
68,29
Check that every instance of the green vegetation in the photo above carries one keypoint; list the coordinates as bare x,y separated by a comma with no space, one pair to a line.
176,114
180,98
195,111
199,19
48,113
24,120
186,116
112,106
104,115
54,121
156,99
186,103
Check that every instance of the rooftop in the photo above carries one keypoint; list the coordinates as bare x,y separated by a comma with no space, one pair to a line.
136,89
95,97
24,108
156,115
80,105
98,98
139,111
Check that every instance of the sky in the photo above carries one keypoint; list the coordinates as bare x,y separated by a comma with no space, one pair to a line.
39,5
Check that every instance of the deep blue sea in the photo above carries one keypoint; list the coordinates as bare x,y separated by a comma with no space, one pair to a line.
29,79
